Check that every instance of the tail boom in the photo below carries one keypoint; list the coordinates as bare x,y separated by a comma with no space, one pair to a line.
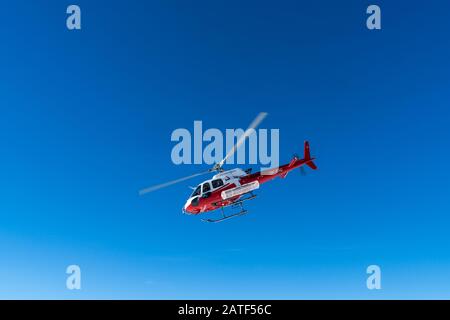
283,170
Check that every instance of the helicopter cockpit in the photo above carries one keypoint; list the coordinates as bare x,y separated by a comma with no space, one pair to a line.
196,192
207,186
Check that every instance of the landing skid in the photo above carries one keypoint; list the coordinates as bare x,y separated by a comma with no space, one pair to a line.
235,204
225,217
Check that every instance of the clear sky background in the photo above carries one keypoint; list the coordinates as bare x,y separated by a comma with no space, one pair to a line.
86,118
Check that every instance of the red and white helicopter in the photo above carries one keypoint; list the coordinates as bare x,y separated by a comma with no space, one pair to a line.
233,187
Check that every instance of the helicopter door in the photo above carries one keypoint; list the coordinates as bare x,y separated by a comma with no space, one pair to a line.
217,183
206,190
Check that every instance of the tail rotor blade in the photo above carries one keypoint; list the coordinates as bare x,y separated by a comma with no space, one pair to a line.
302,171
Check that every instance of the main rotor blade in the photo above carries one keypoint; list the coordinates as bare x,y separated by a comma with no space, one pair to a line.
259,118
163,185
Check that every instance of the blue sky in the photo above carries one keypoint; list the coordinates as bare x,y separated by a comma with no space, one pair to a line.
86,118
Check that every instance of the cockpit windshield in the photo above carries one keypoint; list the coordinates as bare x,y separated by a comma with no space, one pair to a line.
196,192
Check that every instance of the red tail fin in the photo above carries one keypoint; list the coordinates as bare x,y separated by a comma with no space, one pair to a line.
306,152
307,157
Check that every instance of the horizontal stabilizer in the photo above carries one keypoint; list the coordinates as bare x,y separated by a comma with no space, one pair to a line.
311,164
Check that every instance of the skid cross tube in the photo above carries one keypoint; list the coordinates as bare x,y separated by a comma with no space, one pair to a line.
234,204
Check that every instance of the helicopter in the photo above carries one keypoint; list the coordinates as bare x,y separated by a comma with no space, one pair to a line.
231,188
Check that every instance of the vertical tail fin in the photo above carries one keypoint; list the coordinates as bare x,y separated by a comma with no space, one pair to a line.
307,157
307,154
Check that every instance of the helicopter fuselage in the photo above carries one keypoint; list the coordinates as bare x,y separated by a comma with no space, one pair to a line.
226,188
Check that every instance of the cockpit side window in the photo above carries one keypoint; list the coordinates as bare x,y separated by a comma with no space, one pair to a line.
196,192
217,183
206,187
